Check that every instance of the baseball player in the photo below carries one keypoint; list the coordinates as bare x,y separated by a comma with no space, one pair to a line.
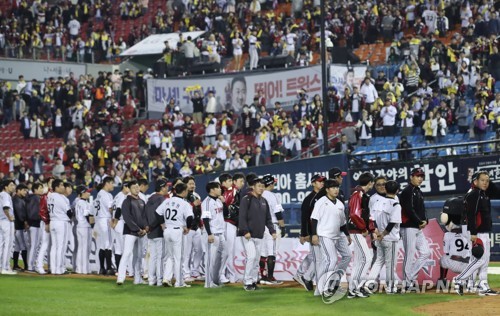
388,219
143,242
328,222
414,219
117,223
360,225
44,228
254,217
176,214
479,224
155,235
135,228
307,269
84,219
270,244
69,235
213,222
103,208
20,226
6,226
193,247
232,199
60,214
33,219
226,184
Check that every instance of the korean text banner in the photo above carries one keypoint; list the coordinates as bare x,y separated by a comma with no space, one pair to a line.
11,69
232,91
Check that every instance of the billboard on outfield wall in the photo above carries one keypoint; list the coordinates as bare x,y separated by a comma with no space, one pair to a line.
11,69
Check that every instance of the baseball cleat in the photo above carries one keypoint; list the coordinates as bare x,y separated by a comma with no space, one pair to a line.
119,283
273,281
265,281
361,293
308,285
9,272
110,272
40,271
488,292
167,283
459,289
249,288
17,268
183,285
351,294
102,272
189,280
298,278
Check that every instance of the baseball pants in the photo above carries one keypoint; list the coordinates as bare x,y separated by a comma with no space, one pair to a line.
389,253
193,253
157,255
34,242
456,266
44,246
478,265
252,250
117,233
104,238
57,250
270,246
20,240
378,264
254,57
131,252
144,251
330,249
84,241
214,269
6,243
230,270
362,261
414,242
306,264
173,254
310,273
69,238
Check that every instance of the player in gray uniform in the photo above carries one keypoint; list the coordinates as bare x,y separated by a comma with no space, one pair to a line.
117,223
20,225
60,215
155,235
213,222
6,225
136,227
103,208
33,219
388,219
83,214
270,245
329,224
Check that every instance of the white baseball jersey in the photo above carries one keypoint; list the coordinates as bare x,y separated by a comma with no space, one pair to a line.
6,201
330,217
455,244
103,203
374,199
274,204
82,209
58,206
143,197
388,211
212,209
118,201
175,211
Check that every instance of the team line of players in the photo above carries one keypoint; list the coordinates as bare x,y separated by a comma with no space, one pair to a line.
187,239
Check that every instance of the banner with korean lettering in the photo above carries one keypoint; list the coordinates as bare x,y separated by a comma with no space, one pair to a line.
232,91
11,69
294,177
343,76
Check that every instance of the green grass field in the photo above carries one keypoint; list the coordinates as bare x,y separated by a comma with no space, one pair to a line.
69,295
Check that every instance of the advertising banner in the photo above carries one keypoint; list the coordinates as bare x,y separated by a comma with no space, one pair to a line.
232,91
343,76
11,69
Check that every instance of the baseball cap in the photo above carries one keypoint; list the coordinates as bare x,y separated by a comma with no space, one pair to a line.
331,183
160,184
268,180
317,177
417,172
256,180
82,189
335,172
476,175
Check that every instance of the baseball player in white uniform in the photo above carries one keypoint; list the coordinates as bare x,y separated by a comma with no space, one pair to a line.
213,220
388,219
328,224
83,214
6,226
270,245
60,214
103,208
117,223
177,216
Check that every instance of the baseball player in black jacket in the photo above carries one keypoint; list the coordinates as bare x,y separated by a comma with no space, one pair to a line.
136,227
20,225
155,235
33,219
479,224
253,218
414,219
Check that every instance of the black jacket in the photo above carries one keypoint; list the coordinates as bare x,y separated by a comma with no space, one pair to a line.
153,219
191,197
477,212
20,213
254,217
306,211
33,210
412,207
133,215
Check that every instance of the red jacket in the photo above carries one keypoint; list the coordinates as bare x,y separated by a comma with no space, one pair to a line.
44,210
359,213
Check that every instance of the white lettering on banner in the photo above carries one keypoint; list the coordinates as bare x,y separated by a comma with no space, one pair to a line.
233,91
300,181
301,195
442,171
12,69
284,197
284,182
493,171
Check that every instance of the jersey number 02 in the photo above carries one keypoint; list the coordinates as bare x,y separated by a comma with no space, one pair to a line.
170,214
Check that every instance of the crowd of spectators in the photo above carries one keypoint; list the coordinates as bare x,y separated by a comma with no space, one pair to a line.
437,88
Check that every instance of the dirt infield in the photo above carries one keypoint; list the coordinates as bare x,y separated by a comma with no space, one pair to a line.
478,306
